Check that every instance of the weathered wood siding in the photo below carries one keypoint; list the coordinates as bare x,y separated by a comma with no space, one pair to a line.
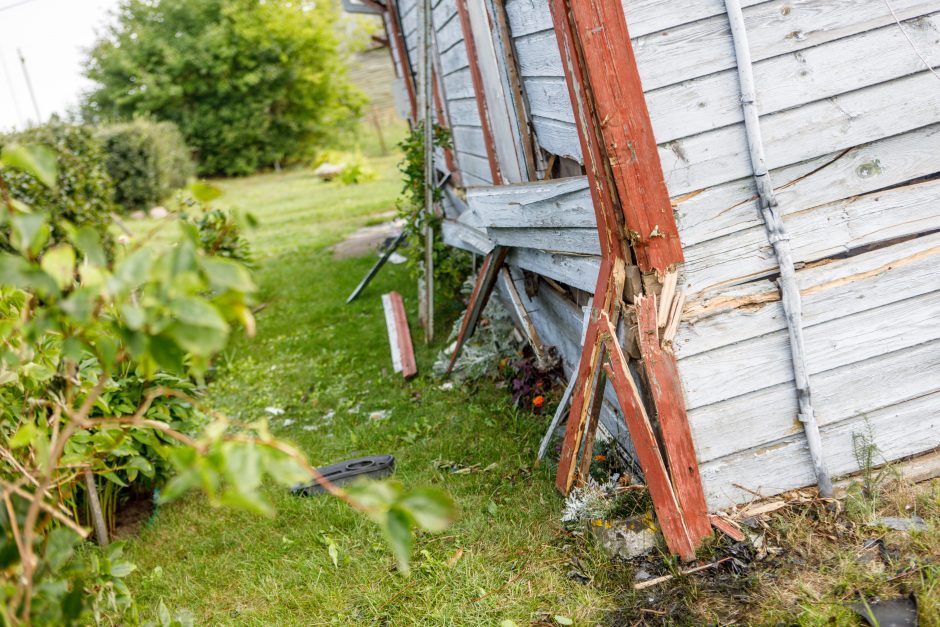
851,123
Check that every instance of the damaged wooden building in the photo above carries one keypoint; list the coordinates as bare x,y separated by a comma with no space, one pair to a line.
723,216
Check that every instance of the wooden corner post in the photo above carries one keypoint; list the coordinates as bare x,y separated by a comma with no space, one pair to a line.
635,225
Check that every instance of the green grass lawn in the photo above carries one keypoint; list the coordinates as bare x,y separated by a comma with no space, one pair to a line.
327,365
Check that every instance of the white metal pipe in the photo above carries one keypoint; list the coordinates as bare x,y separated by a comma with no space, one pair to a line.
776,233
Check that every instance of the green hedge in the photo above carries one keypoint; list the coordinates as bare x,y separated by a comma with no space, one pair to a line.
84,191
147,161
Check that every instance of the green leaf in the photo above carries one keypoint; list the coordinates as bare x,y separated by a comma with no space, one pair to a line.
134,269
19,272
563,620
30,232
122,569
432,509
334,554
35,159
88,242
203,191
198,327
59,263
225,274
24,435
397,528
247,500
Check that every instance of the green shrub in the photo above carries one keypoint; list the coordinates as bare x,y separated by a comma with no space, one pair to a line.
83,192
147,161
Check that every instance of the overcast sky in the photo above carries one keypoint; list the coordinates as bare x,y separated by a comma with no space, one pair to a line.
53,35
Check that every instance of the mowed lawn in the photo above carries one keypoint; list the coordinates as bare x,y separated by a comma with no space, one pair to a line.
327,365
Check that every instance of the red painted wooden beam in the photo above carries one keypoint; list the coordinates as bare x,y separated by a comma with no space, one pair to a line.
478,91
666,389
635,220
662,490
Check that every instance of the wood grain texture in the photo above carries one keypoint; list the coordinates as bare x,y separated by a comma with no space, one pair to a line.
549,240
829,290
666,499
845,393
821,232
558,203
716,375
732,207
899,430
574,270
665,387
466,238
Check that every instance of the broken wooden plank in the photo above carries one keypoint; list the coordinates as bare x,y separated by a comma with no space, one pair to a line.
665,388
662,490
376,267
399,335
542,358
482,288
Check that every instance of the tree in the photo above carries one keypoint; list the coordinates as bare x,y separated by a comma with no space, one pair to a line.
250,83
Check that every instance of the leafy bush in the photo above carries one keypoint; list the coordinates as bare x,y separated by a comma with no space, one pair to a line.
345,167
147,161
250,84
83,190
219,230
451,265
84,340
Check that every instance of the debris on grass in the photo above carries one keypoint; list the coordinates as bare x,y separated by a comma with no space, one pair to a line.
274,411
914,523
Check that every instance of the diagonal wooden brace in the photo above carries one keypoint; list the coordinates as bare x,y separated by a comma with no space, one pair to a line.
665,500
486,280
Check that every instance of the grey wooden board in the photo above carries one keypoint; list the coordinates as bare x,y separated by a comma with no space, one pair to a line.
464,111
459,84
575,241
643,16
558,138
845,393
453,59
465,237
802,133
469,139
815,234
449,31
732,207
705,47
721,374
898,431
561,203
576,271
786,81
474,169
829,290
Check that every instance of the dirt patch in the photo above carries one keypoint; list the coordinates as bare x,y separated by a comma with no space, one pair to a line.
132,516
366,240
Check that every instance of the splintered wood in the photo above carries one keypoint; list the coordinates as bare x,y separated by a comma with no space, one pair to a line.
631,204
399,335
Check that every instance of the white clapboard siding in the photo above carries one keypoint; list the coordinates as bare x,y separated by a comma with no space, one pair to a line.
643,16
469,139
788,80
845,393
800,134
829,290
474,169
459,235
564,203
559,138
815,234
464,112
899,431
459,84
732,207
449,32
723,373
705,47
454,59
576,271
574,241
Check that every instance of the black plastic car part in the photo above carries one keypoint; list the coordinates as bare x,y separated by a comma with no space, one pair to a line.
373,467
